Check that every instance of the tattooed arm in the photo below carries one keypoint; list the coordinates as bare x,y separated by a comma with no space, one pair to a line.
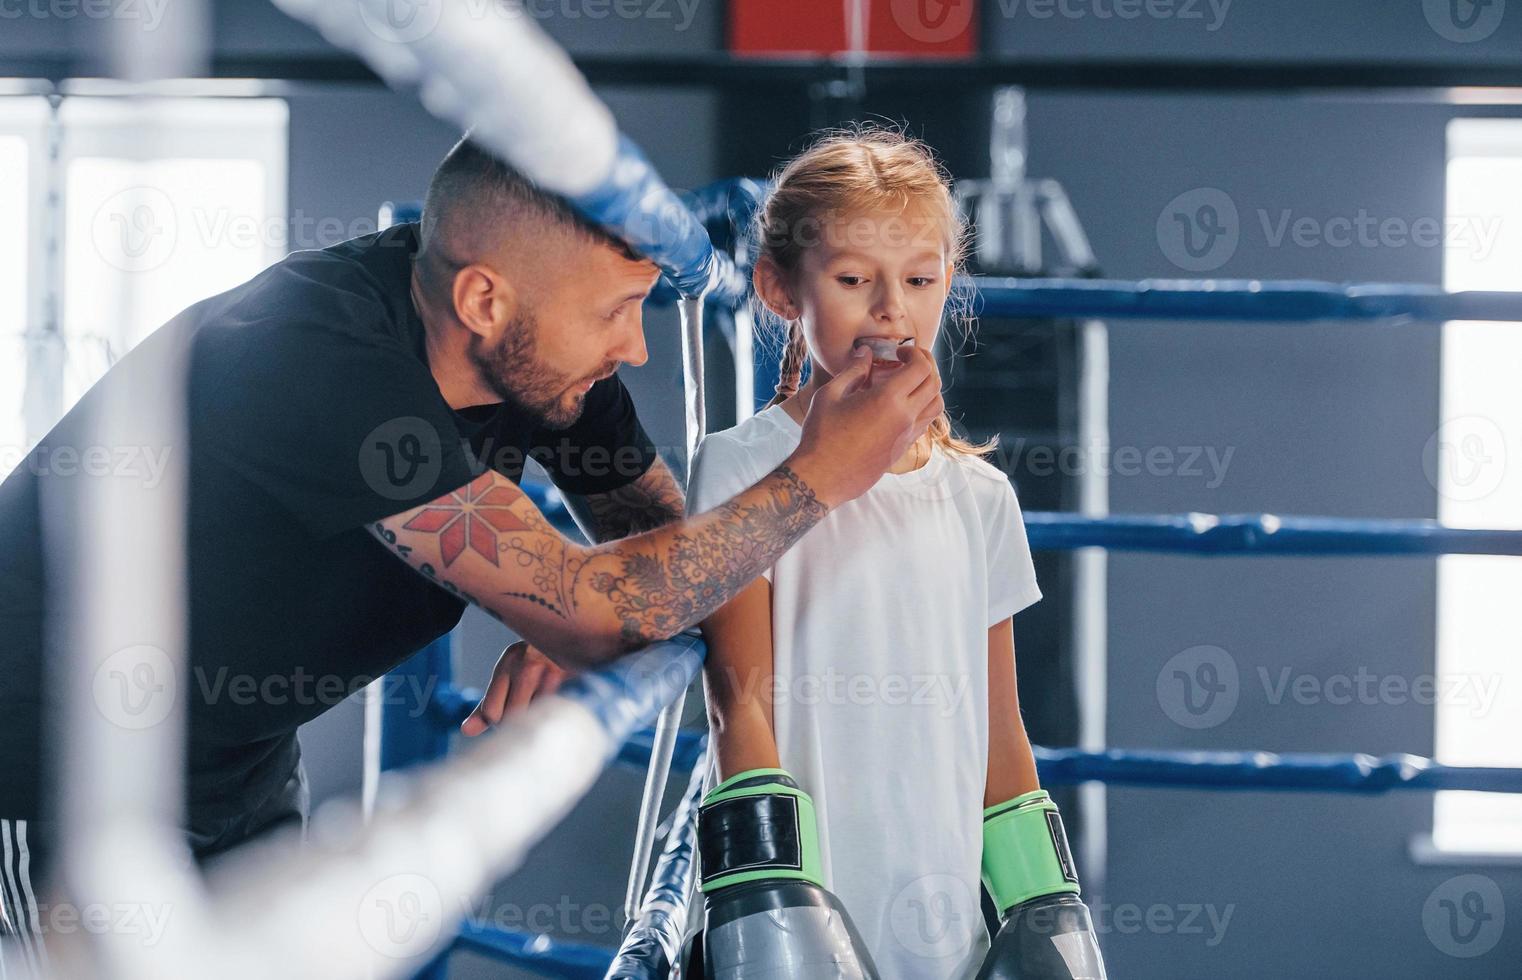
488,544
652,501
580,605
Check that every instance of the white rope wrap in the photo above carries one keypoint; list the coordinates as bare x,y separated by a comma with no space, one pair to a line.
359,901
485,65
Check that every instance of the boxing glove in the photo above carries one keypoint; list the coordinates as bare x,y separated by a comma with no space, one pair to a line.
767,913
1028,870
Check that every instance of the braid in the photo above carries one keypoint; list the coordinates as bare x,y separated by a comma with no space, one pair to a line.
791,370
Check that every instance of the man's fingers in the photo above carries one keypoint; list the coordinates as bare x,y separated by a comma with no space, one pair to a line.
856,374
525,685
918,365
489,711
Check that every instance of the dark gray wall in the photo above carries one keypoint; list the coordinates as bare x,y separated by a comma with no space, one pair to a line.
1318,420
1377,31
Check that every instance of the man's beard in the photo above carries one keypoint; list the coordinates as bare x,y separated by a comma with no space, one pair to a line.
513,370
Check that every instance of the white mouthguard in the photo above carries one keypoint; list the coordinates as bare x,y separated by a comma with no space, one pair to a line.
884,349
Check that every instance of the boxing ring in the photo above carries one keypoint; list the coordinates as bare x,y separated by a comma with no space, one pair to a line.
438,835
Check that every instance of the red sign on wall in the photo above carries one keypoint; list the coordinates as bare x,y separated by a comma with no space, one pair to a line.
902,28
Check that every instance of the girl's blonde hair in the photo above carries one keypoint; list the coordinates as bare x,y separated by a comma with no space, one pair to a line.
865,170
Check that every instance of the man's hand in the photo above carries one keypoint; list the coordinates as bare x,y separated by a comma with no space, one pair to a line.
857,429
521,675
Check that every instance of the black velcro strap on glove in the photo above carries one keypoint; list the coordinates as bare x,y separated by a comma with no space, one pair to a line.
749,833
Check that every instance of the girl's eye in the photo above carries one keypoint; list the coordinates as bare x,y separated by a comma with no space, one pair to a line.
617,312
921,282
850,280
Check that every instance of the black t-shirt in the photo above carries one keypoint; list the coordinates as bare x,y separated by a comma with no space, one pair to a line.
312,413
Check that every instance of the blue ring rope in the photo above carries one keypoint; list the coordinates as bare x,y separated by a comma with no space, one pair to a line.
1238,299
1264,534
1269,771
534,952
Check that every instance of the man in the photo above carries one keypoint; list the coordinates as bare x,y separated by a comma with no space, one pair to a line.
369,407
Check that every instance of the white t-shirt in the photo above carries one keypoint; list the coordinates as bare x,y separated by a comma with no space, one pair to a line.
880,618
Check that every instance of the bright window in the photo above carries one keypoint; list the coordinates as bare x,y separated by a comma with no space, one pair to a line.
1475,460
167,202
14,168
23,130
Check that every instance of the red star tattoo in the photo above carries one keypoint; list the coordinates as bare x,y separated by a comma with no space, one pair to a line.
471,518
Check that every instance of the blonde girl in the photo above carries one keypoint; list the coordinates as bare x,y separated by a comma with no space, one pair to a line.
867,680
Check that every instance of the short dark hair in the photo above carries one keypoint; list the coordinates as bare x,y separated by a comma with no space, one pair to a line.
472,185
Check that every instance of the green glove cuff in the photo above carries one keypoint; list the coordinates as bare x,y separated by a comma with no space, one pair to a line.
758,826
1025,851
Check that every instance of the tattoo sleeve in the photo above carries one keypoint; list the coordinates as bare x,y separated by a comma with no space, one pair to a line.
652,501
489,545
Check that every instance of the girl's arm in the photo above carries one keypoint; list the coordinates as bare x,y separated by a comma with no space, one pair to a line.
738,681
1011,765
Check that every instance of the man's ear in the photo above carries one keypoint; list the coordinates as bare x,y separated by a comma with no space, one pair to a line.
771,287
483,299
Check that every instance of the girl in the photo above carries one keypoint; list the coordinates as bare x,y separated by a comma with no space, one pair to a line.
871,670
